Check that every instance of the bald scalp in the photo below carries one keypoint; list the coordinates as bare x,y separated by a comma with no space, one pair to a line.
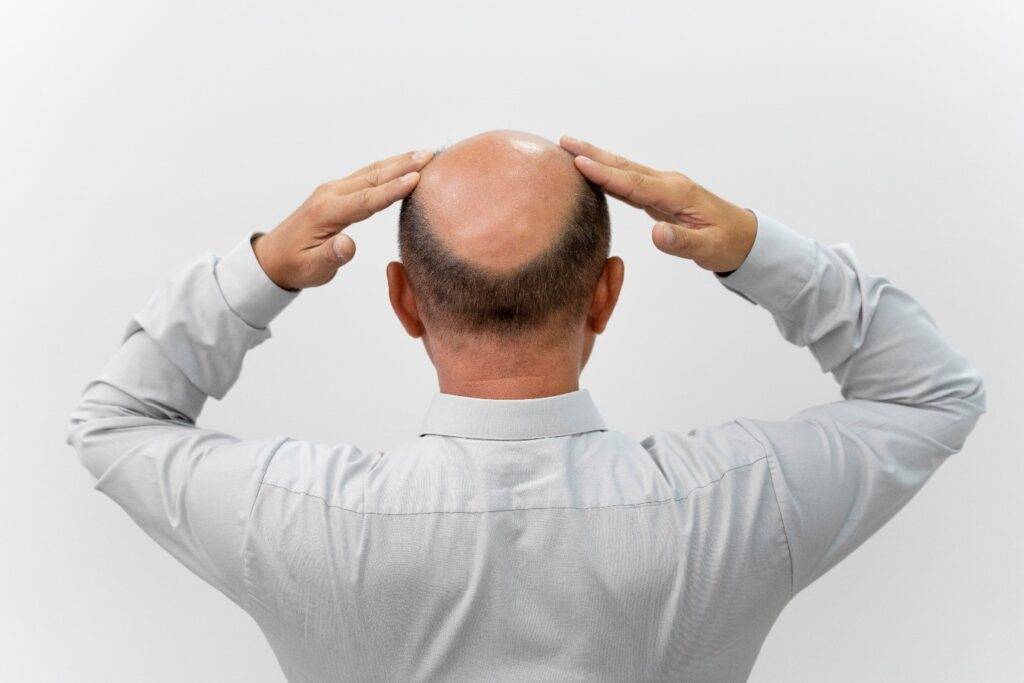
503,236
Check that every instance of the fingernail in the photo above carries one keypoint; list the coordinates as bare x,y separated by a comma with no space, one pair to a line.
584,160
408,177
342,257
668,233
422,155
569,138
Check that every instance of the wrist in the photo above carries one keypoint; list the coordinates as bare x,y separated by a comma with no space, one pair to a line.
247,289
267,255
742,231
778,267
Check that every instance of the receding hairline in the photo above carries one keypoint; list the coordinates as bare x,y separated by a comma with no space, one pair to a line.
543,294
412,206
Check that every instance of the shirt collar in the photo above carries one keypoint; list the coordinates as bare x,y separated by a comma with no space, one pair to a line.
509,420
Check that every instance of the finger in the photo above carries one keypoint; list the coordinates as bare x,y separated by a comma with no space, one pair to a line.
658,215
632,187
688,243
360,205
381,163
378,176
581,148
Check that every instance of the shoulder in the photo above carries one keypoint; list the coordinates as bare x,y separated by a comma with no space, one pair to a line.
706,455
333,473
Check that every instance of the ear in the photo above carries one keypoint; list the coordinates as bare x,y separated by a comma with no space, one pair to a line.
402,300
606,294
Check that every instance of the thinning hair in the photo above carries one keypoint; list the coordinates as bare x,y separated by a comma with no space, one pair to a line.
553,287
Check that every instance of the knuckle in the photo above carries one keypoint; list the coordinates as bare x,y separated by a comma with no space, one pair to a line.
374,177
680,183
684,243
365,198
318,206
636,181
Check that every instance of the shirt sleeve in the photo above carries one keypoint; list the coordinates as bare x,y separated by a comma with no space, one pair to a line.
841,470
134,429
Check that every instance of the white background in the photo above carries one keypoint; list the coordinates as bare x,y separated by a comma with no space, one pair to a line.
136,135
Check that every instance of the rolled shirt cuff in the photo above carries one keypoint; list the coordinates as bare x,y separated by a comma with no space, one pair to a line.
248,291
779,264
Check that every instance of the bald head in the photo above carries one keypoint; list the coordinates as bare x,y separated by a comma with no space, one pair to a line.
503,234
498,200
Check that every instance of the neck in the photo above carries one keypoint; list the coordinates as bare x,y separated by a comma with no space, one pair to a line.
500,369
511,387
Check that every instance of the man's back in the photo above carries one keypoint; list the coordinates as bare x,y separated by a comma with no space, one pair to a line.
524,550
520,538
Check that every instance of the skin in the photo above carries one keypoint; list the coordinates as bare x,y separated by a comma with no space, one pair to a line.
497,200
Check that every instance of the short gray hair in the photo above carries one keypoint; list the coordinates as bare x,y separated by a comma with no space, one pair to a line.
558,282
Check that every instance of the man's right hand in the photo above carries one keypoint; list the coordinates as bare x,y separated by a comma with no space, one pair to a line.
693,223
308,247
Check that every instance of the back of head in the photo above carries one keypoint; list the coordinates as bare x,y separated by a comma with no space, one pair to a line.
503,236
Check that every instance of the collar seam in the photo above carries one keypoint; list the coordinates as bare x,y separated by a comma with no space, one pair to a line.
558,435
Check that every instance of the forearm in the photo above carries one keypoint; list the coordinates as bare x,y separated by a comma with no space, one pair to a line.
186,344
877,341
191,338
840,470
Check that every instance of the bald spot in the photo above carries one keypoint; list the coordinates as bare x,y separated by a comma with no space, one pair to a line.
499,199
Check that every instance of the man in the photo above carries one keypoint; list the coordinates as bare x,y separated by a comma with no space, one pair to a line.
518,537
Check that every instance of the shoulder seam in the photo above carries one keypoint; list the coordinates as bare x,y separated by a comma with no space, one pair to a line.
248,519
778,504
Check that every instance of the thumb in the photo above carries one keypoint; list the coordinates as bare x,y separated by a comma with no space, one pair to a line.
680,241
329,256
343,248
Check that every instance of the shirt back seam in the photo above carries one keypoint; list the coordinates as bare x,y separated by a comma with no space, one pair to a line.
674,499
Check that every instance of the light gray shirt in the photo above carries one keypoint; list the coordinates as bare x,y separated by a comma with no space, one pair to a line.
526,540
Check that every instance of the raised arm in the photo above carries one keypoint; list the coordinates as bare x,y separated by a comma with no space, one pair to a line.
840,470
192,489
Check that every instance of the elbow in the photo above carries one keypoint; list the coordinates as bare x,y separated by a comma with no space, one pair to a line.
90,429
83,420
79,437
968,404
971,394
978,394
78,425
95,451
77,420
